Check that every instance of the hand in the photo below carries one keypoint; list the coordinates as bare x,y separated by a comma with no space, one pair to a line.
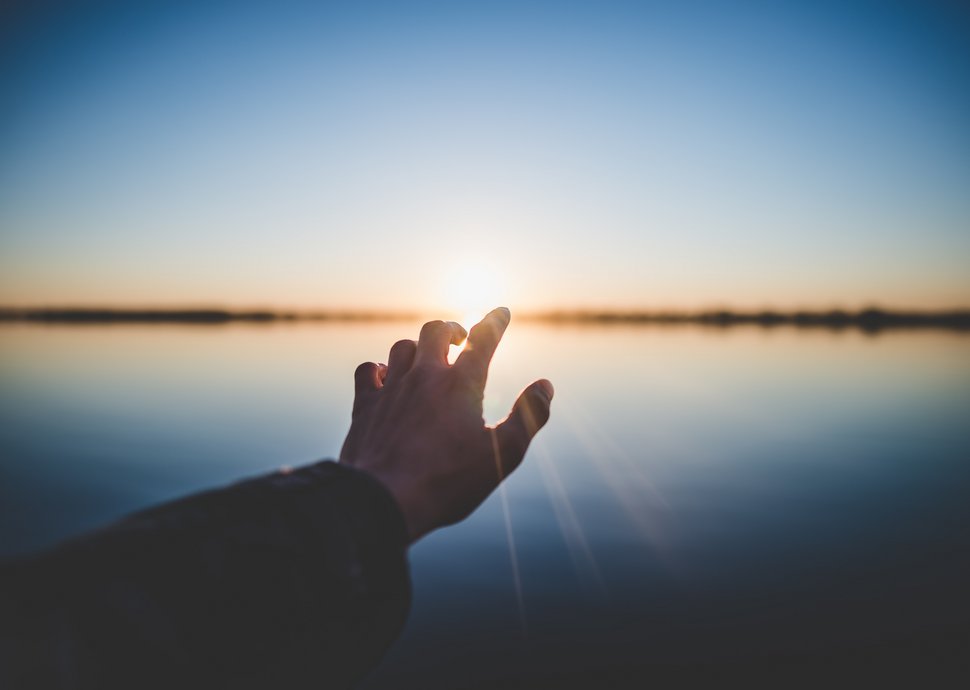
417,423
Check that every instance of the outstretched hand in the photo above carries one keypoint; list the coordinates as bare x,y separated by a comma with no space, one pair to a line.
417,423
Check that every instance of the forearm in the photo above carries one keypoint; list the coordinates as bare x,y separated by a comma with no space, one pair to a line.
293,576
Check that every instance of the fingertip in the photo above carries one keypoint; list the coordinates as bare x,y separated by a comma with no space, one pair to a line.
402,349
504,313
364,370
367,377
546,386
400,359
436,337
534,405
540,409
458,333
430,329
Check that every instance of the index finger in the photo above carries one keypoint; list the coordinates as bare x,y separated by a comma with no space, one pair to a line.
483,338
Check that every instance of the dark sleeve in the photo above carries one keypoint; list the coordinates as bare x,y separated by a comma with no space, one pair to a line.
295,579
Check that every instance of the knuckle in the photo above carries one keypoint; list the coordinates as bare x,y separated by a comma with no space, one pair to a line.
468,381
423,372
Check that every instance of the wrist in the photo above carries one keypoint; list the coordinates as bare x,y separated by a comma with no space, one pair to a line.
415,512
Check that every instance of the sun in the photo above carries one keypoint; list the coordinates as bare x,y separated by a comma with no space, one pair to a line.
471,290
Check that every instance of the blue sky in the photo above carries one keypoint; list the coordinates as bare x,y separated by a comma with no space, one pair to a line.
560,154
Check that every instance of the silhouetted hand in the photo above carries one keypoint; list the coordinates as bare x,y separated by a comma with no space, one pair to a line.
418,428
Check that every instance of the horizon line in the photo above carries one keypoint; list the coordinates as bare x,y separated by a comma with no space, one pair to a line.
869,318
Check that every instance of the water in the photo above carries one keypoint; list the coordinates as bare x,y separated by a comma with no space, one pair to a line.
699,496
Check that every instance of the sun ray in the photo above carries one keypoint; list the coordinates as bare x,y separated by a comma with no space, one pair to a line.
509,535
572,530
644,515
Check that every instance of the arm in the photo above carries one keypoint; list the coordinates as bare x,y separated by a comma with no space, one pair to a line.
272,582
293,579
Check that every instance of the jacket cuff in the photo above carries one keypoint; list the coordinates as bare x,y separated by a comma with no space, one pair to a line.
369,553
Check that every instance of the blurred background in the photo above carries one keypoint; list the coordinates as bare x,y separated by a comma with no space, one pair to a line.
705,497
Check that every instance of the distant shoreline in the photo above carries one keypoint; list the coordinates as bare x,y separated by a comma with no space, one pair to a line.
872,319
82,315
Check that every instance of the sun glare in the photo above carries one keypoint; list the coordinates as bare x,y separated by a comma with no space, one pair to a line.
470,291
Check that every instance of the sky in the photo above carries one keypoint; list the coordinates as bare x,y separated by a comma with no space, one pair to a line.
453,155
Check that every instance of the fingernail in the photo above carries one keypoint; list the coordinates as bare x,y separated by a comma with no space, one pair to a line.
547,388
505,312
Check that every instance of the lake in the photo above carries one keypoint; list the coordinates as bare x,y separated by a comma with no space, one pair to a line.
701,497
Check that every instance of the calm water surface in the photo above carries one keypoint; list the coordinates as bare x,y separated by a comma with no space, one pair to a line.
699,496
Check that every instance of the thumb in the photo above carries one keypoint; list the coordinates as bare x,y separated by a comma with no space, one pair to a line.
528,415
